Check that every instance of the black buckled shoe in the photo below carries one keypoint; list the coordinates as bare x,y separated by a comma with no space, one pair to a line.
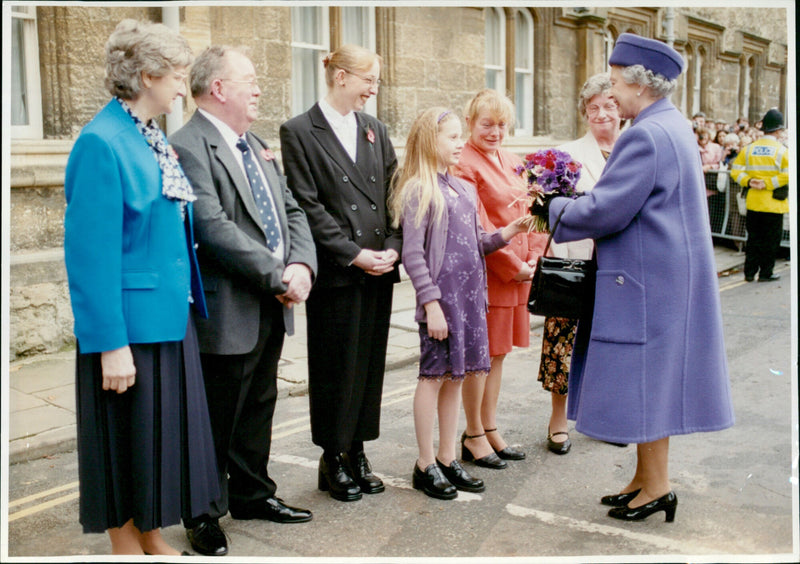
433,483
460,478
208,538
361,471
666,503
556,447
333,477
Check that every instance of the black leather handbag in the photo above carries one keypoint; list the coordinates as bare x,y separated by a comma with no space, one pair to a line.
562,287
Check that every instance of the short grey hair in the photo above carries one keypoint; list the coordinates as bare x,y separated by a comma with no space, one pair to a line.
135,47
209,65
658,84
596,84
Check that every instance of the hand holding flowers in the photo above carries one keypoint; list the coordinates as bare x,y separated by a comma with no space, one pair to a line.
549,173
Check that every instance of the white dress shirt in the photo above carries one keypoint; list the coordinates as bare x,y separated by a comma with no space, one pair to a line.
344,126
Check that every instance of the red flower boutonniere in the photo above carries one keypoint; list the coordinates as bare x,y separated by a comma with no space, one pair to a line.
267,154
371,136
172,153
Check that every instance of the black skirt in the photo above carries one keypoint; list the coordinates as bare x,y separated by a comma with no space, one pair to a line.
146,454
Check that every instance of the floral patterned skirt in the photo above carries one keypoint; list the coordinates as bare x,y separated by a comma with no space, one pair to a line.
557,341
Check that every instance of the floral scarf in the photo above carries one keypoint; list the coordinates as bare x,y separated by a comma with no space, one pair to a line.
174,184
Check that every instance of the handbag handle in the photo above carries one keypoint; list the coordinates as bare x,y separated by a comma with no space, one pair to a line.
553,230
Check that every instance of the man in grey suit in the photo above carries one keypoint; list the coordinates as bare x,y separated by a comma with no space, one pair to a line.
257,259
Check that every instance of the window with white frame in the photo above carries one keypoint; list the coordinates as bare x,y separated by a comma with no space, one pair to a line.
26,100
495,61
523,72
358,28
309,44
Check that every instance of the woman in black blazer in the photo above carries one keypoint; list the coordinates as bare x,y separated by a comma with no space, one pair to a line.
339,163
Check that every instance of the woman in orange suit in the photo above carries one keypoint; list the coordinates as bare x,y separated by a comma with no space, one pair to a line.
490,168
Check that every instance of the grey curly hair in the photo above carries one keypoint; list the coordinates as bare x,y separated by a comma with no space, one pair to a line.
595,85
135,47
659,85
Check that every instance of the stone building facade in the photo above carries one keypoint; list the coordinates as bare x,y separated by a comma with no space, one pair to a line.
433,55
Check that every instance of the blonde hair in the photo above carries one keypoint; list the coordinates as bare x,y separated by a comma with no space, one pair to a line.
417,180
138,46
349,58
492,102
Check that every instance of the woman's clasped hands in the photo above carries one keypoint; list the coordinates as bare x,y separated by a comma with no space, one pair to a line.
376,262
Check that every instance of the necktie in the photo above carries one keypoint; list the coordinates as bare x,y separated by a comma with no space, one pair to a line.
264,204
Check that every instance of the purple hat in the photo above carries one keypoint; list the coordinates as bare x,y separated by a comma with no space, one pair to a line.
653,55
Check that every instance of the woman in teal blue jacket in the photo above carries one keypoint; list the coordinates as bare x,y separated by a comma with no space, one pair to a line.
145,451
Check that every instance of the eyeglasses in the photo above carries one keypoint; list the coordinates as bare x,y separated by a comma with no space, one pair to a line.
369,80
608,108
253,82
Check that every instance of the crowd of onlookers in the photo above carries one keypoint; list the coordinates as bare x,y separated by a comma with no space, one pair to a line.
720,141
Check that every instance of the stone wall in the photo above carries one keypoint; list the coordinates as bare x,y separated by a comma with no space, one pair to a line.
432,56
436,59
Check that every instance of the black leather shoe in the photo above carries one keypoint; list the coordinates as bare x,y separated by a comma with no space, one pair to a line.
460,478
433,483
208,538
333,477
770,278
621,445
618,500
558,448
491,460
666,503
361,471
749,278
272,509
507,453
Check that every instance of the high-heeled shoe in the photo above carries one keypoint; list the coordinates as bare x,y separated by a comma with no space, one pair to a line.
666,503
618,500
507,453
491,460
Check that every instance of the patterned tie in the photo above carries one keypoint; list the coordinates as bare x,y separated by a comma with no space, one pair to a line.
263,202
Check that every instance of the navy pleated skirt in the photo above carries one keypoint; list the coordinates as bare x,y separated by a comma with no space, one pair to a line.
146,454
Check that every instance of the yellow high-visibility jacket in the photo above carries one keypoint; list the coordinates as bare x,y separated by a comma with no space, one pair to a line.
768,160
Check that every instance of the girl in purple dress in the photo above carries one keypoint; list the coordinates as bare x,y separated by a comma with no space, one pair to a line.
443,250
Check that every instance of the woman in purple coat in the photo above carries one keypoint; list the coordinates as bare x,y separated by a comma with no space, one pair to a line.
652,362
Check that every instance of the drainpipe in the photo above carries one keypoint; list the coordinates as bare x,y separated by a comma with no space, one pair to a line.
669,27
170,17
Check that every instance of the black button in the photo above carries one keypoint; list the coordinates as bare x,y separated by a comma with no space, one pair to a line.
377,232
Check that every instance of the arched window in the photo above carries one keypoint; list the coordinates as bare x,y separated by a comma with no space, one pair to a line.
26,101
495,56
608,46
523,72
309,44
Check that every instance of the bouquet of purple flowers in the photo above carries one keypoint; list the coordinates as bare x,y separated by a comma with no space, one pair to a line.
548,173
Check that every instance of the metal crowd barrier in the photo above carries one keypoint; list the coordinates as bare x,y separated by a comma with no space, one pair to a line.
725,214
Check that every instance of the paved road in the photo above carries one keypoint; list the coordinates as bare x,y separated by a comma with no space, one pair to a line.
735,487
